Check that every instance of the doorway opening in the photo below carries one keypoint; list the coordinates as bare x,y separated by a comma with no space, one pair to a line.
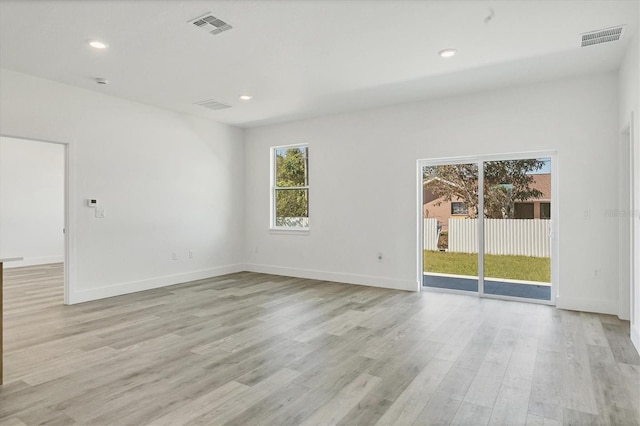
34,213
488,226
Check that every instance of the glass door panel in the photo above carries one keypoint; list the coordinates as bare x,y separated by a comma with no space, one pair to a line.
517,228
450,215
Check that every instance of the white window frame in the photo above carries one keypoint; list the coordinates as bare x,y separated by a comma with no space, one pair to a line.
272,196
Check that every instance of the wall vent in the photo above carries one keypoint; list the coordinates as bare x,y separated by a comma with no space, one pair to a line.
602,36
210,24
214,105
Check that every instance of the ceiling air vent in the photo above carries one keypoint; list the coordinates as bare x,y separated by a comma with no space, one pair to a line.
214,105
602,36
210,24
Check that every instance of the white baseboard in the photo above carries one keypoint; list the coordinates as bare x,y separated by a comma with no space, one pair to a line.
33,261
635,337
340,277
597,306
80,296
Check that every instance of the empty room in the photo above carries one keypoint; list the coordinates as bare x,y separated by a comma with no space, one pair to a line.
320,212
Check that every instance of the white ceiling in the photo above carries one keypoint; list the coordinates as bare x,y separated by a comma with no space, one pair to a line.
304,58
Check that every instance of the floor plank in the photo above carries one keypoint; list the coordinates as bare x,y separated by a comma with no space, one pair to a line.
257,349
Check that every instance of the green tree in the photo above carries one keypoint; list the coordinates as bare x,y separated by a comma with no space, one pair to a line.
505,182
291,172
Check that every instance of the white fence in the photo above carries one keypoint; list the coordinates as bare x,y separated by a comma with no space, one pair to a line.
430,236
518,237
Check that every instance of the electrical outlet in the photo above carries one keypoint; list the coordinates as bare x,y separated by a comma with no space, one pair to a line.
99,213
596,273
379,257
190,254
174,256
586,214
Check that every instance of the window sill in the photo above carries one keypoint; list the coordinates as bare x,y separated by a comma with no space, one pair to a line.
291,231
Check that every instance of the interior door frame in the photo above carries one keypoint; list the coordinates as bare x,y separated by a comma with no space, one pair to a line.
634,217
629,214
69,213
480,160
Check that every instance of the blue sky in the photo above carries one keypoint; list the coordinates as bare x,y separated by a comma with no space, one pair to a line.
545,169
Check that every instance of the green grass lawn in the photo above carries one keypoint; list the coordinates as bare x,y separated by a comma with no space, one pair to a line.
496,266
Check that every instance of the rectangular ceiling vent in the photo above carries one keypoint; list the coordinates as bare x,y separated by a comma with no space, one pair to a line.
210,24
214,105
602,36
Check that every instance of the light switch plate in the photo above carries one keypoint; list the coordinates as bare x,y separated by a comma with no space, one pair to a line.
100,213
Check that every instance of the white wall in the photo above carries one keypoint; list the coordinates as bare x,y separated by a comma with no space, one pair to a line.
168,183
363,166
31,201
629,89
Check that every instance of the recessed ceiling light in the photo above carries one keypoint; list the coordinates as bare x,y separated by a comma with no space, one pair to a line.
447,53
98,44
246,97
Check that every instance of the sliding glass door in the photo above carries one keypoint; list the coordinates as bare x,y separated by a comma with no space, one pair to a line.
487,226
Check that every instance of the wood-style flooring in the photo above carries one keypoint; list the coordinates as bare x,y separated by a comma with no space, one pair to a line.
256,349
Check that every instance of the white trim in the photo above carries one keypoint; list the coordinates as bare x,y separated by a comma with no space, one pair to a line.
555,227
625,251
634,287
10,259
420,225
632,225
480,212
33,261
70,223
486,157
598,306
438,274
292,230
87,295
340,277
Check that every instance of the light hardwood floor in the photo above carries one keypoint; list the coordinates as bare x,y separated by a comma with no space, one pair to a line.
255,349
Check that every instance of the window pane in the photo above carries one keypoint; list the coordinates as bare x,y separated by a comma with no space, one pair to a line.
450,193
523,211
458,208
517,247
545,210
292,207
292,167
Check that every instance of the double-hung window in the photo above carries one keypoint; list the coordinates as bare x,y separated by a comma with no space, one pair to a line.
290,187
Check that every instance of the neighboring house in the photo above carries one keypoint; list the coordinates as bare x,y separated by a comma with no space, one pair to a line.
538,208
